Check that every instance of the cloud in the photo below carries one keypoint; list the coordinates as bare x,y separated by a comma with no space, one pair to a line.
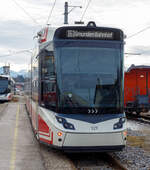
39,3
16,61
142,59
17,28
143,50
16,34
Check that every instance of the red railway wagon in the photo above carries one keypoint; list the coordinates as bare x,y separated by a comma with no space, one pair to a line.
137,89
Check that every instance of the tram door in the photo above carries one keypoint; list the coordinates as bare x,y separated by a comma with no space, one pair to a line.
34,94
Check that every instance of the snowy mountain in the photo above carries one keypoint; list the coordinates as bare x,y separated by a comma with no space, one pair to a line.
1,70
24,73
15,74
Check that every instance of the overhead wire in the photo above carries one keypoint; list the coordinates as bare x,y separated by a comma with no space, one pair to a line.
17,52
50,13
85,10
25,12
138,32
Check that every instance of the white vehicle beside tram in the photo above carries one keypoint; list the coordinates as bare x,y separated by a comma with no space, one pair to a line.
7,88
75,93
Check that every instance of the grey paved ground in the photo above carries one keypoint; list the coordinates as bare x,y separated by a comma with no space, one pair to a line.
18,148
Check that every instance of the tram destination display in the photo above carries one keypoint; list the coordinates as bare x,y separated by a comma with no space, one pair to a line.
89,34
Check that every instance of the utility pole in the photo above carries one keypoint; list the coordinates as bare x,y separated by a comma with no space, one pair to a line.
6,70
67,12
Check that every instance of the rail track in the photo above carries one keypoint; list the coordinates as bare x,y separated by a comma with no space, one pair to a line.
95,161
141,118
55,159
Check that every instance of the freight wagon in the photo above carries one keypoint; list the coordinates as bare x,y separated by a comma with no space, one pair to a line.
137,89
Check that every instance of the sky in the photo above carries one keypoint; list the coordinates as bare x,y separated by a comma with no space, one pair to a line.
22,19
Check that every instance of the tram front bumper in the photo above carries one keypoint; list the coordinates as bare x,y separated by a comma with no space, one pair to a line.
3,98
93,142
94,149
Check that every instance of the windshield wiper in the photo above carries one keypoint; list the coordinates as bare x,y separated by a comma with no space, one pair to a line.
98,92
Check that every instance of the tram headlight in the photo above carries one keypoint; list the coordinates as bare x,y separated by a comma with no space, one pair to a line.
60,119
119,124
65,124
68,126
122,119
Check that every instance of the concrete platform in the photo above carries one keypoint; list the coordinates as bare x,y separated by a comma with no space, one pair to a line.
19,150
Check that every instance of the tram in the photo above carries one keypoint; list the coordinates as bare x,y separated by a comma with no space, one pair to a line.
75,98
7,88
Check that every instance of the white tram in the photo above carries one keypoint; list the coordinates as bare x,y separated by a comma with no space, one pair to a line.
7,87
75,97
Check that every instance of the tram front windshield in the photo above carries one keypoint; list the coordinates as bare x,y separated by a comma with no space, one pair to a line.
89,77
3,85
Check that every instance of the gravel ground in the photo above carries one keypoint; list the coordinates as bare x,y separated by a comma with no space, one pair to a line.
134,157
89,161
135,133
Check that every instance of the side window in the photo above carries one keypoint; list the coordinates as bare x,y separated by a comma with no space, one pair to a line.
9,82
35,79
48,81
27,86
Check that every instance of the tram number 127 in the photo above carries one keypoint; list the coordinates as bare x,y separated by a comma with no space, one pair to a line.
94,128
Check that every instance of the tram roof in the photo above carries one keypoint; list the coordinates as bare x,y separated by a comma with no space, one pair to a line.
47,33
